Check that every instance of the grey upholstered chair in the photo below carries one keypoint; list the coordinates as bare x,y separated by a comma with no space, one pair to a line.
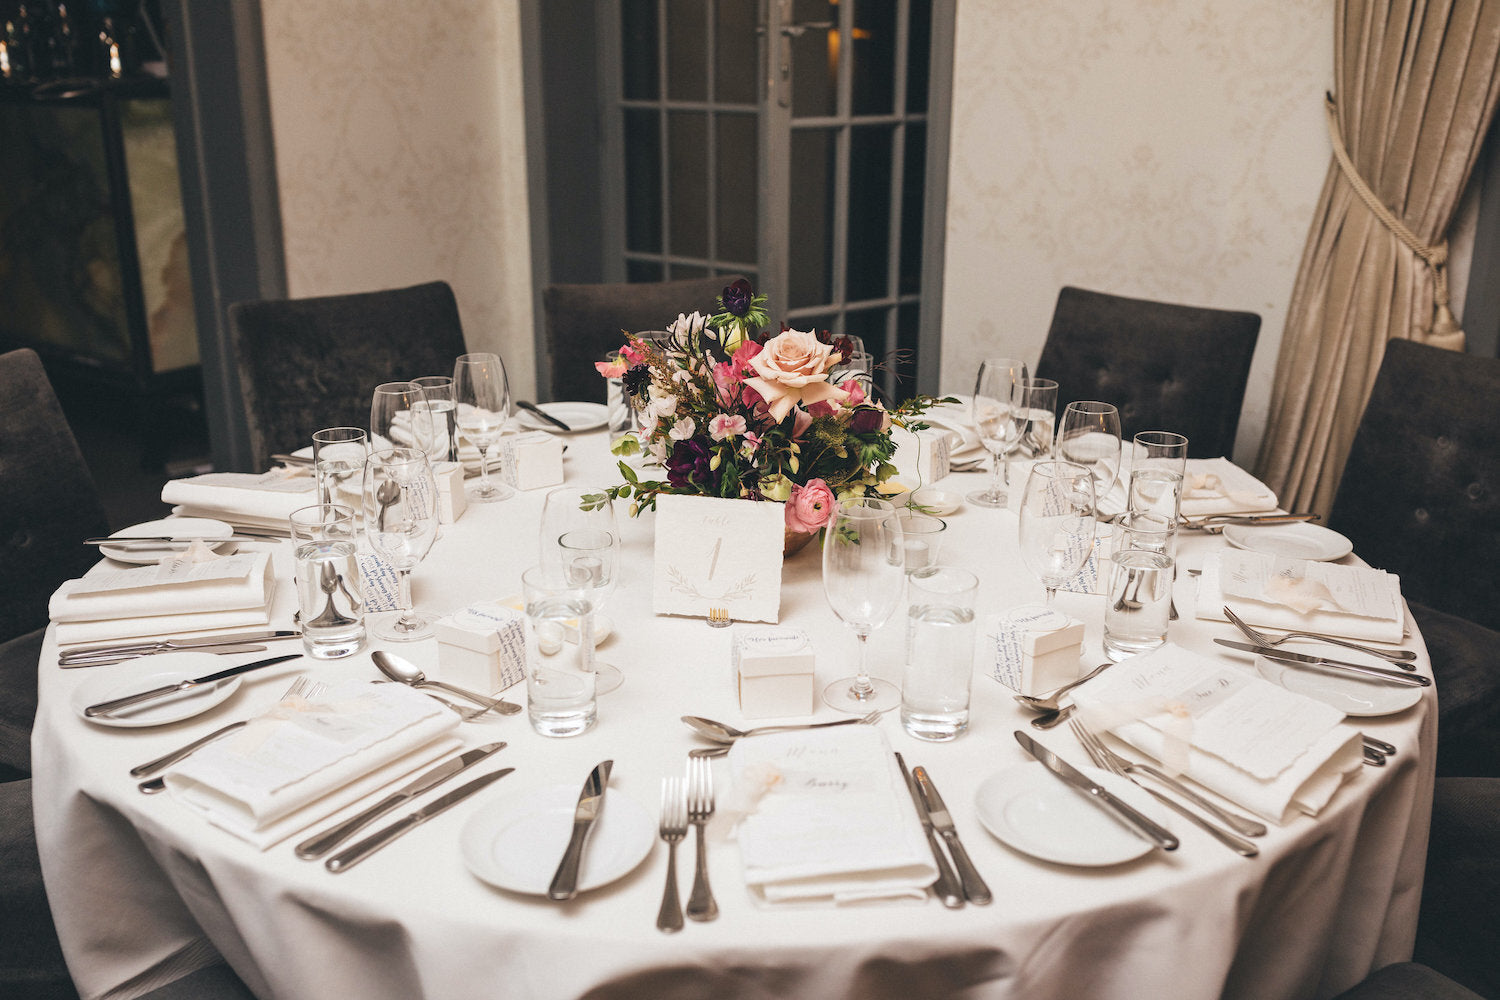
1420,497
310,363
1165,366
584,322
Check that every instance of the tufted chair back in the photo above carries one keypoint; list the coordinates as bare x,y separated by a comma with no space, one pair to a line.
1420,494
584,322
48,502
1166,367
306,364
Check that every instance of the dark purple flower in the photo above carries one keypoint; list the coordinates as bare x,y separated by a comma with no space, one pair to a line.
867,420
736,298
636,380
688,466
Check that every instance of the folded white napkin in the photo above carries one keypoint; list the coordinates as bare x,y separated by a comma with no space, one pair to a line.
1210,486
827,819
1270,750
309,757
957,420
265,500
1353,602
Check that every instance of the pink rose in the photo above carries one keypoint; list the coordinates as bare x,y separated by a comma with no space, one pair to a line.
810,506
791,369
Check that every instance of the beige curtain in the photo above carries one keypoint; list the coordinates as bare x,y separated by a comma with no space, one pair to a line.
1416,90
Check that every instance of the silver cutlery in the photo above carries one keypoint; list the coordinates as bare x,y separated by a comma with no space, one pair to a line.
1215,524
315,847
722,733
673,829
532,408
1053,718
1257,636
974,887
1323,662
304,460
167,541
708,753
352,856
115,704
1106,758
1388,749
1099,795
404,671
168,759
700,805
110,660
1050,702
129,649
1372,756
946,887
590,803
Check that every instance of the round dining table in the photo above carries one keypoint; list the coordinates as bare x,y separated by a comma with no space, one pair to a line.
143,889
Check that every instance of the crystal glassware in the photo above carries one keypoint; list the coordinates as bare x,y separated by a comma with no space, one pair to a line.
864,578
440,403
339,454
1158,465
401,521
483,395
590,560
399,417
1057,522
999,421
1089,435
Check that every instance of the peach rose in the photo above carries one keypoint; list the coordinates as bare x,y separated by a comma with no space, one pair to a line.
793,368
810,506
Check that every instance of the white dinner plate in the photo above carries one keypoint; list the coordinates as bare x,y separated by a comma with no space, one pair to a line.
182,527
1032,810
578,416
156,671
515,843
1298,540
1346,692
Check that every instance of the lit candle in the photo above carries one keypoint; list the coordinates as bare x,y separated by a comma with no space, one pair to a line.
114,59
4,60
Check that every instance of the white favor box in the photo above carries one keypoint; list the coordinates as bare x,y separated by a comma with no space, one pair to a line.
450,484
482,647
773,670
1035,649
921,458
531,461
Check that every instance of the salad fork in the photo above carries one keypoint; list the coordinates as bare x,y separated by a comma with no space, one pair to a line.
700,806
1400,657
674,824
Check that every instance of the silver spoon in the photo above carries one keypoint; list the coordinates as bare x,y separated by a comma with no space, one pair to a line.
386,494
720,733
398,669
1049,703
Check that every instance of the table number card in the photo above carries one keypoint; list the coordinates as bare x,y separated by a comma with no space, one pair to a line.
715,553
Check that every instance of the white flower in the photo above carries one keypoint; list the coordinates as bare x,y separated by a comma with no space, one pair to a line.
682,430
685,327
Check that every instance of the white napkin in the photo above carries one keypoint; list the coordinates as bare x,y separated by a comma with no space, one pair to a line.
1370,599
307,758
265,500
827,819
1210,486
1274,752
954,418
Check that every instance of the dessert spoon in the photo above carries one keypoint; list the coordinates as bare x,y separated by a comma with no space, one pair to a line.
398,669
721,733
1050,702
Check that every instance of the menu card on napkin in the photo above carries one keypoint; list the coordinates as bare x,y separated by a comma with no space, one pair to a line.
1266,748
828,819
309,757
1355,602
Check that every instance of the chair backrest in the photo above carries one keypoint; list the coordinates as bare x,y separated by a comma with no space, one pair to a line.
585,322
306,364
48,502
1420,493
1165,366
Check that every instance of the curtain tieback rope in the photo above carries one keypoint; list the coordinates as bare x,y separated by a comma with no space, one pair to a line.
1445,326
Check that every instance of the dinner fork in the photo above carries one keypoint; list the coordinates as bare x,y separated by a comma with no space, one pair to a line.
674,824
1103,757
700,806
1400,657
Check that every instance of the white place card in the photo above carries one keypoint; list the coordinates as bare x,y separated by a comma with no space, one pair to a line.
715,553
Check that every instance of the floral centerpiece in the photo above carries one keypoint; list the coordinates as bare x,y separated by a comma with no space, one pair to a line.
729,411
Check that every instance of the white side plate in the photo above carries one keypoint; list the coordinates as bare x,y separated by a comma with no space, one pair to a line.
1346,692
182,527
151,672
1298,540
578,416
1030,809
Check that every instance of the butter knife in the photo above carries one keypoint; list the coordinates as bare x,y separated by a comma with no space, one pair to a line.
590,802
1099,795
115,704
975,891
352,856
946,887
1284,656
315,847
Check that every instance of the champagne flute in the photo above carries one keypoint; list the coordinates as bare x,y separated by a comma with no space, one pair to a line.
401,521
399,417
999,421
1057,522
1090,436
483,395
440,403
864,578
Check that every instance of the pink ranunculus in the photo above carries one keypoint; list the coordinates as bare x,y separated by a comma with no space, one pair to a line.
611,369
855,390
726,425
791,369
810,506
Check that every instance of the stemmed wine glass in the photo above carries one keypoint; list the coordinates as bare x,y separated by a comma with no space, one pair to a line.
864,578
401,520
483,395
1089,435
399,417
1000,420
1057,522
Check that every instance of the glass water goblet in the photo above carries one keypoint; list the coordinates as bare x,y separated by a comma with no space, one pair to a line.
1158,465
339,453
1057,522
399,417
864,579
483,395
444,409
401,521
590,560
999,421
1039,402
1089,435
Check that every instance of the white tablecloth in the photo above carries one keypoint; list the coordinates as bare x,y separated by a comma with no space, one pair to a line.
140,886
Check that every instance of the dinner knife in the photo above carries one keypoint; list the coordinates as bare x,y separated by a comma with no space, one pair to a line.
109,659
1218,521
1285,656
590,801
1099,795
165,645
946,887
163,541
115,704
975,890
530,407
315,847
352,856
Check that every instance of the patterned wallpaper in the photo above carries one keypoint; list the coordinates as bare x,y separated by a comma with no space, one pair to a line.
400,156
1164,149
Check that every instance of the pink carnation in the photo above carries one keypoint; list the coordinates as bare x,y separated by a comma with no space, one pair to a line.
810,506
